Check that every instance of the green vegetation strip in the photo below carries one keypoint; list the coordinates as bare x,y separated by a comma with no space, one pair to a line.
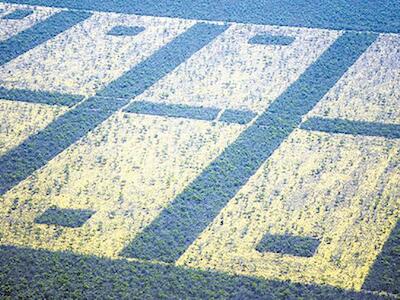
173,110
39,274
237,116
190,112
39,33
373,15
125,30
352,127
178,225
51,98
18,14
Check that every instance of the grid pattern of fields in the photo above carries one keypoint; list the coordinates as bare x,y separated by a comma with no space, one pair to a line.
157,153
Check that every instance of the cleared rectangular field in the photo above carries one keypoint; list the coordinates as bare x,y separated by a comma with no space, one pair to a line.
85,58
126,171
342,190
370,89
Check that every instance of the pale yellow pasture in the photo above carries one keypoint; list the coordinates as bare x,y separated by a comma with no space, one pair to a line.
84,59
18,120
369,91
127,170
343,190
231,73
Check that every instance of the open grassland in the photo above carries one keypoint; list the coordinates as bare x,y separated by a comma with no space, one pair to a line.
369,91
18,120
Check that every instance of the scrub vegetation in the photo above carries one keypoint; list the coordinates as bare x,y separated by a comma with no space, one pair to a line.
153,156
